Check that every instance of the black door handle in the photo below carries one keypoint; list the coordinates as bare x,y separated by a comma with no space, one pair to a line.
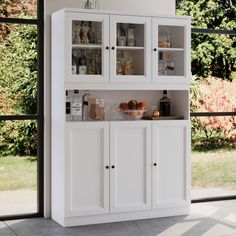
107,47
154,49
113,167
155,164
107,167
113,48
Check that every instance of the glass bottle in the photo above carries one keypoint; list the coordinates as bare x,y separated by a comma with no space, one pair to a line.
76,106
165,105
74,64
85,100
85,29
82,67
77,39
131,36
68,106
161,65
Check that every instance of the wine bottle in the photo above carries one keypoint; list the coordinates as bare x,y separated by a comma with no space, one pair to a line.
82,64
165,105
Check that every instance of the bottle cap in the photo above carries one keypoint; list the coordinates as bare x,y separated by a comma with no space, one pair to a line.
164,91
76,91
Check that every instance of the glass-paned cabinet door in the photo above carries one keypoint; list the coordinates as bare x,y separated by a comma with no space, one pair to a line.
171,50
130,42
87,54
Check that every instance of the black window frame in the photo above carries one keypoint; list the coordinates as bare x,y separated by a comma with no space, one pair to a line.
207,114
39,117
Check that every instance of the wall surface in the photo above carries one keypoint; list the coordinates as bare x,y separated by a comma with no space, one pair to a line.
162,7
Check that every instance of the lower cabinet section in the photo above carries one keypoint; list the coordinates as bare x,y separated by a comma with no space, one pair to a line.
123,170
130,154
170,174
87,179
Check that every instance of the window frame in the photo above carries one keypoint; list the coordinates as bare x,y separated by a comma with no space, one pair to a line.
207,114
39,117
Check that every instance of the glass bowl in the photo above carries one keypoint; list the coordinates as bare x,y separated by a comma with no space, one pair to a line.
132,114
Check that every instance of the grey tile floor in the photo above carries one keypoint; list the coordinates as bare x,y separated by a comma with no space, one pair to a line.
207,219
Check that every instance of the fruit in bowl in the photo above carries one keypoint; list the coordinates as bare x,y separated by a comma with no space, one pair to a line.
133,110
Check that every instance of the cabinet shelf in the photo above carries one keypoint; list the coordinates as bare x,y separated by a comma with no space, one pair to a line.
170,49
86,46
129,48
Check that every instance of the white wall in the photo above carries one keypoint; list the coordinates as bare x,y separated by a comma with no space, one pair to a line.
162,7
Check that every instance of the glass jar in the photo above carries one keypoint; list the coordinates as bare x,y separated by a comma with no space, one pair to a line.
129,66
119,67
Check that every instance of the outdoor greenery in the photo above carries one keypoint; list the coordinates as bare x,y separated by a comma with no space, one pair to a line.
214,169
212,54
18,78
18,173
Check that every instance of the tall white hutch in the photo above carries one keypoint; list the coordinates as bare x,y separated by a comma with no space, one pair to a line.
118,170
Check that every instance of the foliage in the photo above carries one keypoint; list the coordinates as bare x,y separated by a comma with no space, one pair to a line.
212,54
18,56
212,95
18,138
18,87
17,9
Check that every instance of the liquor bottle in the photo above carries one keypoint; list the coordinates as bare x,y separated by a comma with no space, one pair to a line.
74,65
85,100
76,106
68,107
165,105
82,64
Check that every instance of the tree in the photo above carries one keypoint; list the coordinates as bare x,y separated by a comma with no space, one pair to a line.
212,54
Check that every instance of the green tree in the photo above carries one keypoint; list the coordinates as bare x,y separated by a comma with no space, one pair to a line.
212,54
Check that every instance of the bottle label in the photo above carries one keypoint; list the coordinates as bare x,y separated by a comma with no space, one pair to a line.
83,70
73,70
77,109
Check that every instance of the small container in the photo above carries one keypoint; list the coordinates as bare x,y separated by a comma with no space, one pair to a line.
96,109
122,41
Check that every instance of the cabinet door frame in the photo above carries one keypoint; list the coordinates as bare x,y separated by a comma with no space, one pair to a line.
185,125
104,19
114,126
146,78
104,128
185,79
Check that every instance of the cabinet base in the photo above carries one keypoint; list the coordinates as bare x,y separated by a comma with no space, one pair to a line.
118,217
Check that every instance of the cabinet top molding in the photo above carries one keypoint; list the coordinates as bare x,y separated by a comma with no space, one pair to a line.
128,13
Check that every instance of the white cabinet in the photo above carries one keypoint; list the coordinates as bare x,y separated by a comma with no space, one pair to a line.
130,153
113,170
87,178
171,176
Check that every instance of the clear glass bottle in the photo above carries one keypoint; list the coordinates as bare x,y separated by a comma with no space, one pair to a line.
68,106
131,36
85,100
74,64
76,106
165,105
161,65
82,67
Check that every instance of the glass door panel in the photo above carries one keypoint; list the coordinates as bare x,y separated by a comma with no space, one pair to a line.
171,51
130,47
88,42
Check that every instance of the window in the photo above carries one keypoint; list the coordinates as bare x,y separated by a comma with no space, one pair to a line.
213,101
21,108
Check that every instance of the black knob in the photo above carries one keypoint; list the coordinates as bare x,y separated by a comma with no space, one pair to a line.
107,167
107,48
113,167
155,164
113,48
154,49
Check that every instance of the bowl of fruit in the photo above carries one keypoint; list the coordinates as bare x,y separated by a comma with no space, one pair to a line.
133,110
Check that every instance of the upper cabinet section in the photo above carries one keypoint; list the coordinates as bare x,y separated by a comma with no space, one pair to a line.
116,48
87,47
130,41
171,50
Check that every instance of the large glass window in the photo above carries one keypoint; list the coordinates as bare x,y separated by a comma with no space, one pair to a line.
213,100
21,108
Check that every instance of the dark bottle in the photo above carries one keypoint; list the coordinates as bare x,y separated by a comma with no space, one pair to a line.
165,105
82,64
